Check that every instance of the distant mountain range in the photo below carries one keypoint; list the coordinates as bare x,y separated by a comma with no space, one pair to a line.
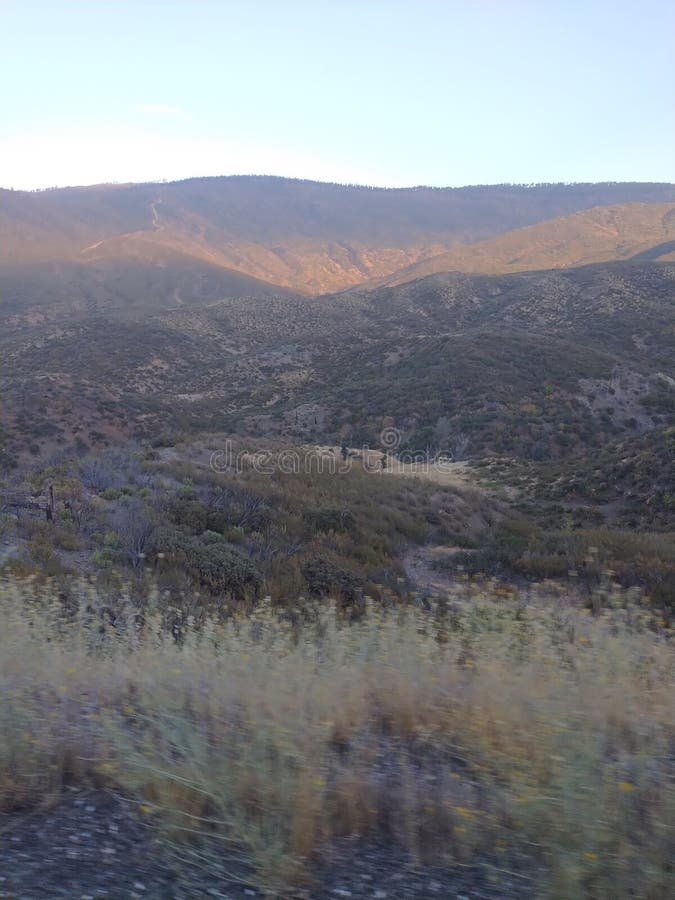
148,247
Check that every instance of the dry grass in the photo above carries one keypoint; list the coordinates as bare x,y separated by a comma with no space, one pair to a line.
535,738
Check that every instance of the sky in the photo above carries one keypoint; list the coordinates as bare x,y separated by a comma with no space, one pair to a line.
380,92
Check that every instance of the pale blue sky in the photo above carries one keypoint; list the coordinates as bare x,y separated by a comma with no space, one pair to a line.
443,92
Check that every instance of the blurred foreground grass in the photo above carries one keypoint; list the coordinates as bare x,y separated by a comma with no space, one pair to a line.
530,737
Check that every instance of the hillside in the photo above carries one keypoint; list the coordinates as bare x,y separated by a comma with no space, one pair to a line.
635,230
58,292
298,235
541,367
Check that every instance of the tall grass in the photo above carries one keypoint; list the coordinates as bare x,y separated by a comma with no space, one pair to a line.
534,738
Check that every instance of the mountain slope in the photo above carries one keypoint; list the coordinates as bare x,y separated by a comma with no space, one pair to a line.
63,292
546,362
304,236
635,230
546,370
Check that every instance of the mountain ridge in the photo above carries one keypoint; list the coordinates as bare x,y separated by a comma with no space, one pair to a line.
303,236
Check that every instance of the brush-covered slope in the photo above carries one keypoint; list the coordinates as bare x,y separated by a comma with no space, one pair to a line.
644,231
534,364
63,292
304,236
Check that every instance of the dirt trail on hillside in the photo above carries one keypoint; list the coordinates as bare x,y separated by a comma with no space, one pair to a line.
156,224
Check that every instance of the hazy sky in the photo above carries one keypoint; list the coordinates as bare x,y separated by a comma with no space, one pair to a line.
388,92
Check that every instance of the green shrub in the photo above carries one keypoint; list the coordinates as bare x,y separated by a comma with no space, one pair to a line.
192,515
217,565
325,579
330,518
103,559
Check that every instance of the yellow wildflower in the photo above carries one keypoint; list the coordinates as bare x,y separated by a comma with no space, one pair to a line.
464,812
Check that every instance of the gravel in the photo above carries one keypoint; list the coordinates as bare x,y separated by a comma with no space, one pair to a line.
94,845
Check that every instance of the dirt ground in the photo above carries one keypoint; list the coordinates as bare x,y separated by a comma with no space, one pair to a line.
442,472
95,845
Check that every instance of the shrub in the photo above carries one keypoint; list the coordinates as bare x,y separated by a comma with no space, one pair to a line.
325,579
330,518
224,569
217,565
190,514
66,539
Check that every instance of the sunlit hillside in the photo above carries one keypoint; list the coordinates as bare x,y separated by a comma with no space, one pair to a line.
639,231
300,235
